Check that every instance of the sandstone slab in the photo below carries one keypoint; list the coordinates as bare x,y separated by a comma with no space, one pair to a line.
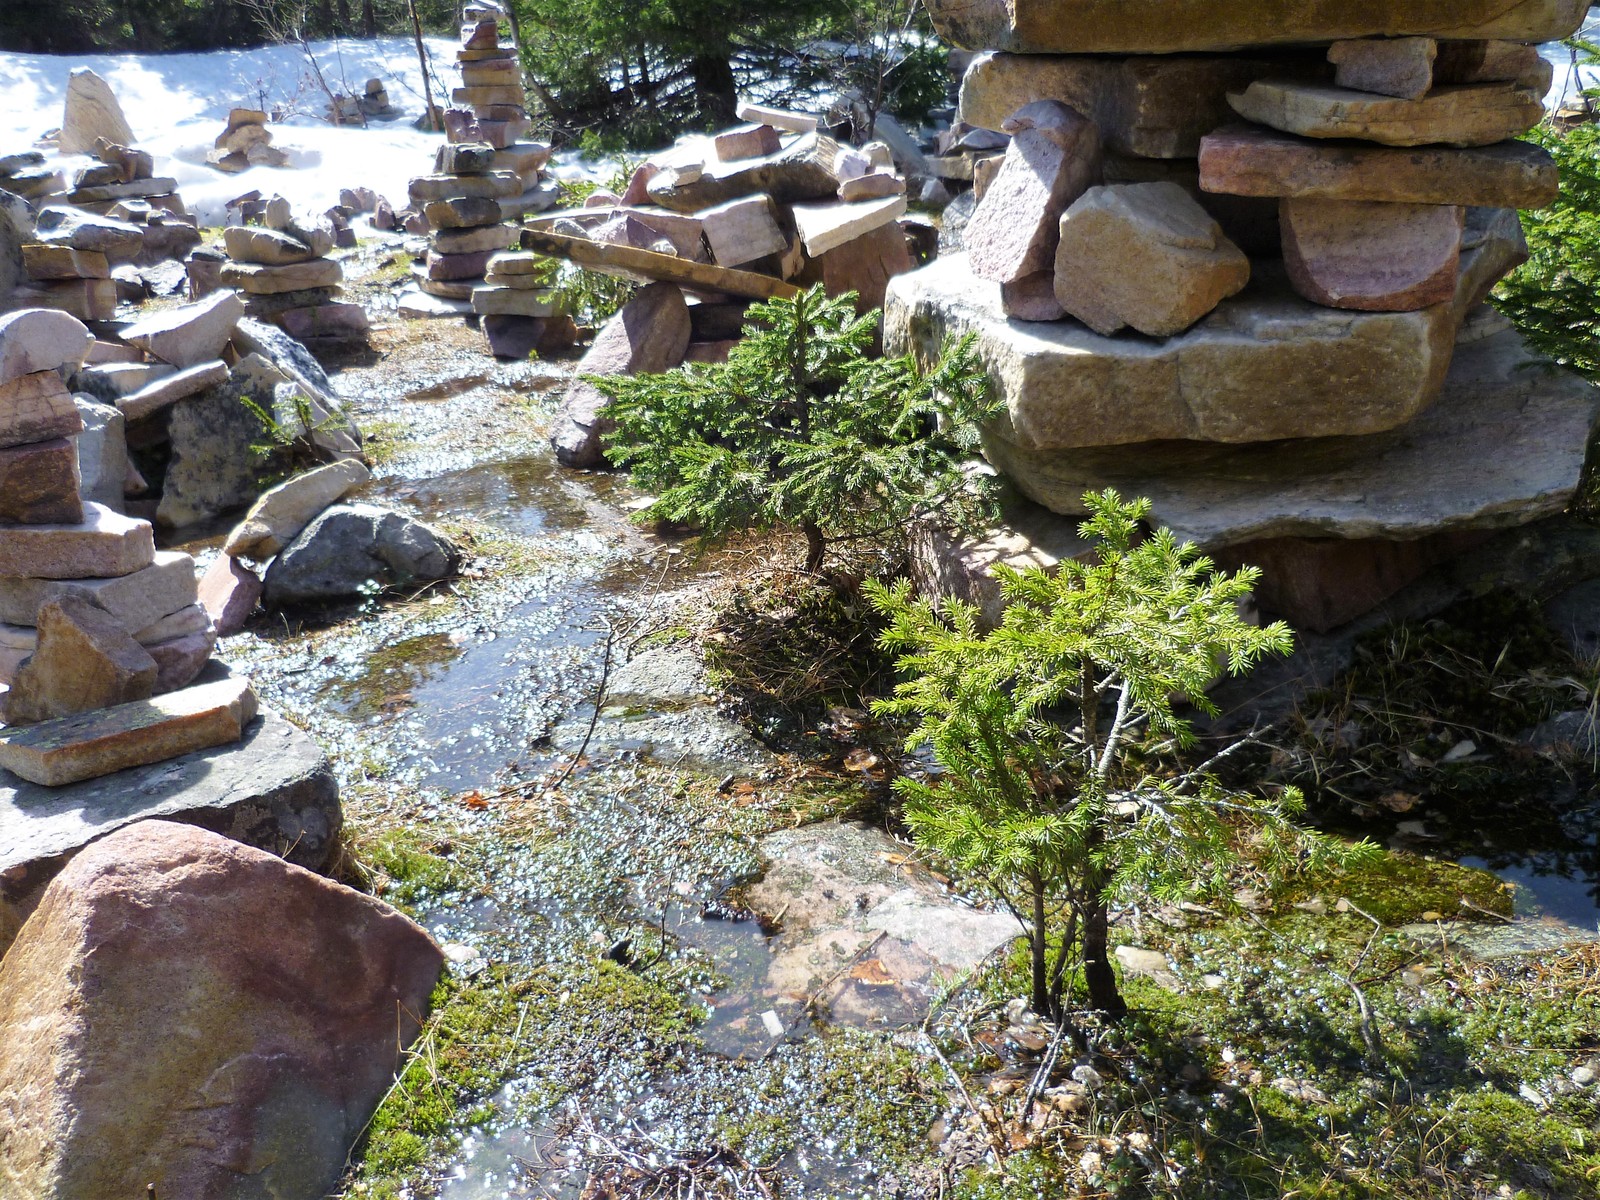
1400,67
494,300
1148,106
36,408
1371,256
463,213
496,185
1250,161
229,592
276,1050
102,452
39,484
63,262
259,279
1503,445
1265,365
477,240
254,244
1186,26
1054,157
40,339
824,227
180,660
1464,115
863,266
89,745
872,186
103,544
1186,265
454,267
86,299
190,335
168,390
91,112
119,241
274,790
746,141
137,600
738,231
801,171
278,517
649,335
84,659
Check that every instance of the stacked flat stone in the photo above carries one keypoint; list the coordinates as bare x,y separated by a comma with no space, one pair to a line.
462,200
57,547
122,174
245,143
373,104
1228,258
25,174
288,280
69,262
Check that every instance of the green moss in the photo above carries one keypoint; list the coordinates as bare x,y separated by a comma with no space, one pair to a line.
1398,888
385,440
390,673
403,866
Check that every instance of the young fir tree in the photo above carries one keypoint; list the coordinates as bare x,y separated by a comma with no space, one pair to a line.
1055,733
801,427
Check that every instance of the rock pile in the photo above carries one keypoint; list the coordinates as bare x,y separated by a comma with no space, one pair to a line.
283,269
100,635
483,177
754,213
1257,323
245,143
372,105
122,174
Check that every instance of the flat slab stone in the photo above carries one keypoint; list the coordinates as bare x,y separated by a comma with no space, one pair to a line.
170,389
102,545
84,659
273,790
1246,160
261,280
1503,445
823,227
1265,364
1146,106
1467,115
40,339
803,170
36,408
1178,26
191,335
108,740
138,600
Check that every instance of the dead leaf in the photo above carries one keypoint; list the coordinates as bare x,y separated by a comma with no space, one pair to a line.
1399,801
474,800
860,759
872,973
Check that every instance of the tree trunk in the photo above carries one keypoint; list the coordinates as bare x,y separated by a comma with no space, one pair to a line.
1043,1002
715,90
369,19
816,548
435,122
1097,971
344,16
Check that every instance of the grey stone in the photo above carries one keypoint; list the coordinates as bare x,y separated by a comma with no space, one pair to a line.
212,468
274,790
336,435
352,547
1503,445
119,241
667,677
102,453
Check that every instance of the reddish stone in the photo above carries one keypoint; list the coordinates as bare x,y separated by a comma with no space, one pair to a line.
281,1003
180,660
1032,298
39,484
1372,257
747,141
1053,159
229,592
863,266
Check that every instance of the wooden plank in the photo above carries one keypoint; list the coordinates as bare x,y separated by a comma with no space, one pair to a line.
625,260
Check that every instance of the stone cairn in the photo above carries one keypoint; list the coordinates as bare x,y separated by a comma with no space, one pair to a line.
288,280
1248,283
245,143
756,212
483,177
101,635
372,105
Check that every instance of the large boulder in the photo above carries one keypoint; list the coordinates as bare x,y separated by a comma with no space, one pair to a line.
91,112
188,1016
352,548
213,467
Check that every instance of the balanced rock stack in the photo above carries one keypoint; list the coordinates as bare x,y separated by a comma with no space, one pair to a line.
245,143
100,635
122,173
462,201
283,269
491,78
25,174
70,259
372,104
1271,327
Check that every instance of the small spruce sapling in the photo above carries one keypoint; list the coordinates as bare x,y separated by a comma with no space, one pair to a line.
802,427
1055,735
